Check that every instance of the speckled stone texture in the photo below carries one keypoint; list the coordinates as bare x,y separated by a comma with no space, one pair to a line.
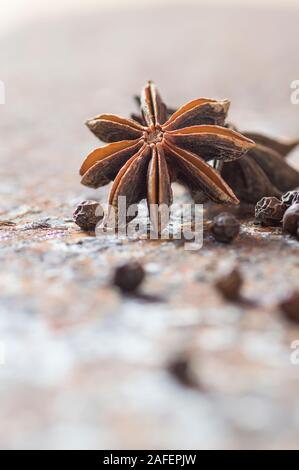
84,366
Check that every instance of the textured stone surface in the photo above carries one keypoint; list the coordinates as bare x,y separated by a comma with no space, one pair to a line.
84,366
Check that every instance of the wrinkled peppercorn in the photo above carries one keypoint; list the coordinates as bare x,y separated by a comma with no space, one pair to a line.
270,211
291,197
86,215
229,284
290,307
290,222
129,276
225,227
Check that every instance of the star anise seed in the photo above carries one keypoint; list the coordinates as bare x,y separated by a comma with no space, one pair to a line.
143,160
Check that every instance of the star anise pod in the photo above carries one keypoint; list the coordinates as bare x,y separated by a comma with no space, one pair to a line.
263,171
143,160
139,117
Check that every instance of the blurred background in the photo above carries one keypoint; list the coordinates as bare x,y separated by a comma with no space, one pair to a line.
85,367
17,11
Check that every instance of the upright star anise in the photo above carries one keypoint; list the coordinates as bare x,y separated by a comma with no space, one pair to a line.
143,160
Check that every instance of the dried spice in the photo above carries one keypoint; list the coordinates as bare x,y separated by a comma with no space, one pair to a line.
139,117
279,146
290,221
290,307
263,171
87,216
291,197
128,276
143,160
229,284
180,368
225,227
270,211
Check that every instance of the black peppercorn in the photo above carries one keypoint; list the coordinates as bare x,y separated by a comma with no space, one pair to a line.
291,197
129,276
180,368
290,222
290,307
87,215
229,284
225,227
270,210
